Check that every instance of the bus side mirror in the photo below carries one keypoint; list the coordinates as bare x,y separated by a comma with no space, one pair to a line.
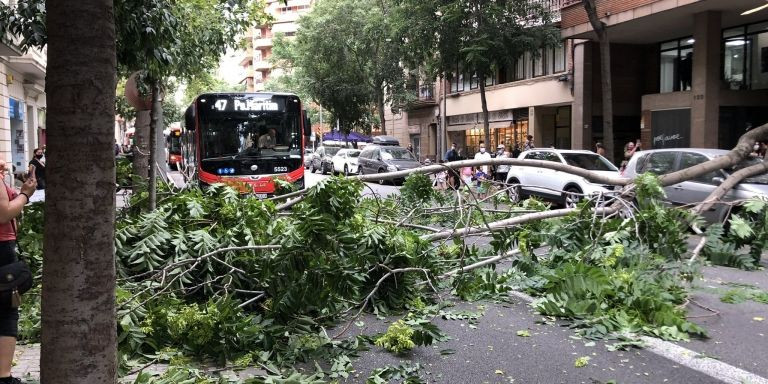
307,125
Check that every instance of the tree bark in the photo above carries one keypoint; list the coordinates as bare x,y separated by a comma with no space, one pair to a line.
78,299
153,155
141,145
380,106
605,77
484,105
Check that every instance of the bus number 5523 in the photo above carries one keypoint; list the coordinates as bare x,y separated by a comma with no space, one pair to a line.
281,169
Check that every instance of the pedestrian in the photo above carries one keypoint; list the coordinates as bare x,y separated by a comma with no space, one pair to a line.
117,149
502,169
600,149
630,148
39,163
481,182
466,176
483,155
410,148
528,143
453,155
516,151
440,180
11,205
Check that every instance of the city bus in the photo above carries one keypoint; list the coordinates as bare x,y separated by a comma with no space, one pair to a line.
173,144
245,140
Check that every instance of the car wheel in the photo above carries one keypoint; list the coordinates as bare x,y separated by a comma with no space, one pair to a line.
346,170
513,191
312,167
322,169
382,181
572,197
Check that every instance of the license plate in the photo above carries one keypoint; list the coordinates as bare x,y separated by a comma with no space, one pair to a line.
260,195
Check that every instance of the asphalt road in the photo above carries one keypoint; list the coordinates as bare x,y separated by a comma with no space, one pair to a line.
371,189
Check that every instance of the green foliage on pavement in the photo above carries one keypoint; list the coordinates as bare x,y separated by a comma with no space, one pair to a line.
621,276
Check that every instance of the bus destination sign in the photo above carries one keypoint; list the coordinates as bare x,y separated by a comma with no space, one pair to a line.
246,105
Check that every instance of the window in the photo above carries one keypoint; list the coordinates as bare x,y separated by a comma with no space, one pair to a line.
520,68
537,61
689,159
544,156
559,58
745,57
659,163
676,65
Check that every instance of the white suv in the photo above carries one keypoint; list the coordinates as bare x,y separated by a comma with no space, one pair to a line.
562,187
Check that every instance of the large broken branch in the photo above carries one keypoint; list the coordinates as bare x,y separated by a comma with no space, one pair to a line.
506,223
736,155
730,182
589,175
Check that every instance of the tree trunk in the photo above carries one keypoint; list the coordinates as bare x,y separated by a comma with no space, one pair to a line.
141,145
153,124
484,104
380,106
78,299
605,78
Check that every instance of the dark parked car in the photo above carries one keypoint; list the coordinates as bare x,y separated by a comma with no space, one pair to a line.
321,159
382,159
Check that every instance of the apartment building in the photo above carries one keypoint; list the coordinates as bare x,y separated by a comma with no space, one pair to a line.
685,73
533,96
22,103
258,42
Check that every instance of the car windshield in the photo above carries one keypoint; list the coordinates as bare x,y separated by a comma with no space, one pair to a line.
588,161
397,154
759,179
330,151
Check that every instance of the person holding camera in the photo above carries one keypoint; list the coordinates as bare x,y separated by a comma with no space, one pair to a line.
11,205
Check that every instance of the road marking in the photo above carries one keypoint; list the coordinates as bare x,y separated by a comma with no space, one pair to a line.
688,358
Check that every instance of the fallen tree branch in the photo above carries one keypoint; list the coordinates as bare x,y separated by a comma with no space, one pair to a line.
480,264
522,219
729,183
737,154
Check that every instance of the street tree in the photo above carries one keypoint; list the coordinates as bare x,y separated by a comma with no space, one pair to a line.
475,37
78,299
207,81
605,76
182,39
357,73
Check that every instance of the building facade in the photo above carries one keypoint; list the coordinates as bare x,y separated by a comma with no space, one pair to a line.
258,42
685,73
22,104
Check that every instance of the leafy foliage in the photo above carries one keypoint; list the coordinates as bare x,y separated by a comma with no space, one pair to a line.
621,276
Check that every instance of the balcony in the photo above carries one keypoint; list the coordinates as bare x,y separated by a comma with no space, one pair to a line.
32,64
262,65
262,43
425,97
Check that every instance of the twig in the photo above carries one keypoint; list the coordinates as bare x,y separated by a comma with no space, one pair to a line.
368,298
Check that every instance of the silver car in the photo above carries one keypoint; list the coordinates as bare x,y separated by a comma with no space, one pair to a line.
663,161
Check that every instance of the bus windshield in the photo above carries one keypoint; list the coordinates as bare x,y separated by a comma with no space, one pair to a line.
250,127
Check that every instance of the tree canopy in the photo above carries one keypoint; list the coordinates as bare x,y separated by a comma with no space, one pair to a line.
476,37
354,73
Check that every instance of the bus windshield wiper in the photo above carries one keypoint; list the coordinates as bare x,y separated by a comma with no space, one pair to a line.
228,157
